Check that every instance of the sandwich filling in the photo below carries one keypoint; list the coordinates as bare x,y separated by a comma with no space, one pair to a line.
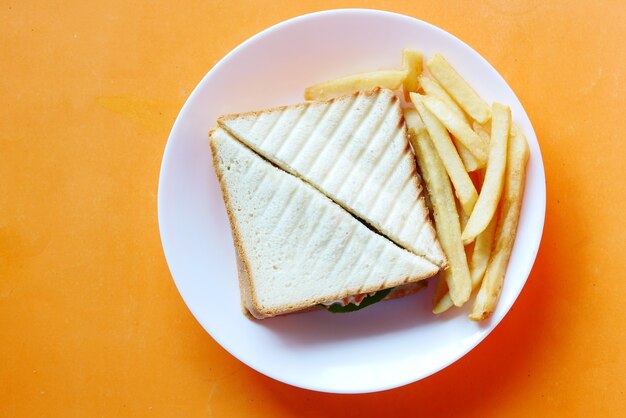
353,299
356,302
362,300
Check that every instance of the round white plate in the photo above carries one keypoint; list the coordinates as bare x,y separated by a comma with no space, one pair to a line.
386,345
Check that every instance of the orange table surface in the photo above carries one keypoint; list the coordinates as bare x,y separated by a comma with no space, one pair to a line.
91,323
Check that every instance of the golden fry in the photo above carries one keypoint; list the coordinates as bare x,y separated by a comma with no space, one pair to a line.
458,88
462,215
465,190
459,128
412,63
481,131
478,265
494,176
433,89
389,79
469,161
482,252
441,297
489,293
444,209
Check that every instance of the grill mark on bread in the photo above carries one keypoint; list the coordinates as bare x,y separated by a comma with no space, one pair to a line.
299,119
407,190
396,166
313,227
408,220
316,250
356,263
374,133
391,211
343,120
371,273
347,111
261,185
339,266
373,173
329,171
274,192
365,147
272,128
292,195
304,210
318,122
401,123
260,189
334,238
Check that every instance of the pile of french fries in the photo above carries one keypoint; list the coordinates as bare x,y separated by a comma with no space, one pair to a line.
472,158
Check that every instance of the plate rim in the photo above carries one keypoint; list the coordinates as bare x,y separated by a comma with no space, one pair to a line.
163,235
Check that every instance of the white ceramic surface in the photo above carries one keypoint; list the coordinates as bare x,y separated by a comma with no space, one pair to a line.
384,346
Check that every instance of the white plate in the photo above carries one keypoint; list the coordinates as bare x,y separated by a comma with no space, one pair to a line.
384,346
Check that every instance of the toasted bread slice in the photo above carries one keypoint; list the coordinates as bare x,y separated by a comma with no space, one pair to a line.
355,150
297,248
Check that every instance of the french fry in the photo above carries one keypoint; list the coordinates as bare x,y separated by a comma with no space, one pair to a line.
444,209
390,79
481,131
469,161
465,190
462,222
494,175
441,297
459,128
482,252
458,88
443,304
478,264
462,215
489,293
432,88
412,63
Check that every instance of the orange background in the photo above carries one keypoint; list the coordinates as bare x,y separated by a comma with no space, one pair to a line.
90,321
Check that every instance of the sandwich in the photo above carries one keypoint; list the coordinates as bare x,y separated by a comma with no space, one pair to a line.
297,249
353,149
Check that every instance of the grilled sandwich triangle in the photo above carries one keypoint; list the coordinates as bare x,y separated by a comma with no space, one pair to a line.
355,150
296,247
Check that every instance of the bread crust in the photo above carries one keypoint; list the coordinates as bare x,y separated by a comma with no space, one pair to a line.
249,302
396,293
256,113
243,266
